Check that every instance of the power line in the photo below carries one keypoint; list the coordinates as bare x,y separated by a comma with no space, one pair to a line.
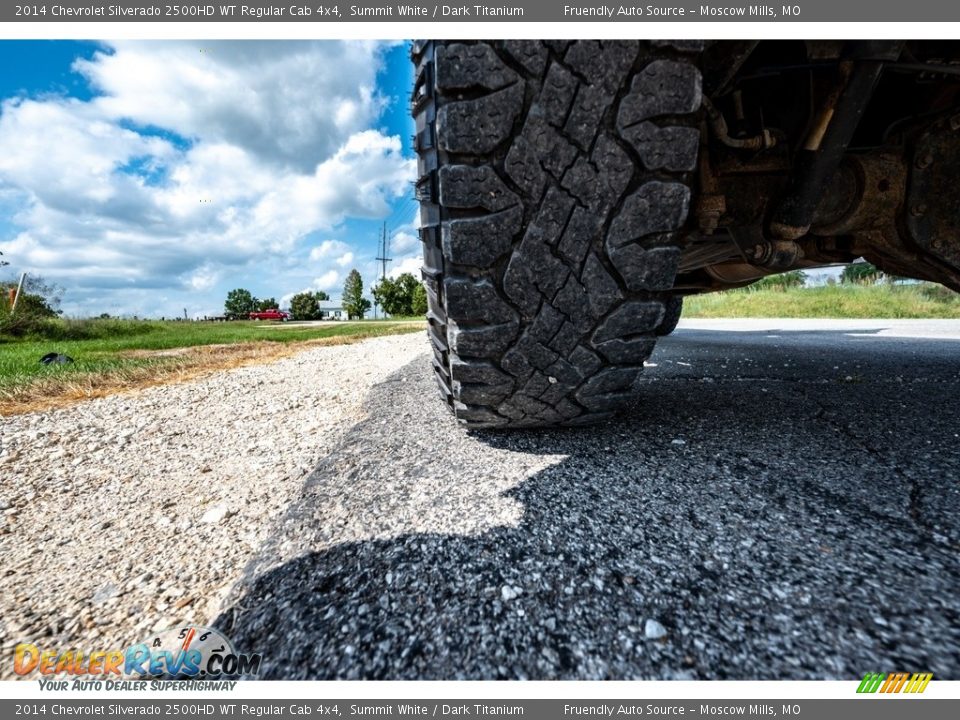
396,217
399,209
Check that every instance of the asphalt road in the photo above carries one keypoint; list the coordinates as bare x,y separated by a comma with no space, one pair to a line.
783,502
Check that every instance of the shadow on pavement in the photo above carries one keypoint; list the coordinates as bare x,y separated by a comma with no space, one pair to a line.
770,522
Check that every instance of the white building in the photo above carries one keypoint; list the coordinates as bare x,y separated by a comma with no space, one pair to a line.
330,310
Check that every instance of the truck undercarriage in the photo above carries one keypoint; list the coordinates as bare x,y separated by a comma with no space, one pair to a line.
572,193
817,153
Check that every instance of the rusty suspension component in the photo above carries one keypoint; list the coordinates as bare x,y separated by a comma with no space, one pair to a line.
830,135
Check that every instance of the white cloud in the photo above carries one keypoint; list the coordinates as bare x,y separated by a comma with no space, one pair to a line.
328,249
330,280
88,151
189,165
410,264
335,251
289,102
404,242
204,278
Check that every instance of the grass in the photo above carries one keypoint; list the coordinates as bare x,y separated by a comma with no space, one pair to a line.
117,355
922,300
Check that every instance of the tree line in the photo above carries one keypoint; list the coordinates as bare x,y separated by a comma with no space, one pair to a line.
403,296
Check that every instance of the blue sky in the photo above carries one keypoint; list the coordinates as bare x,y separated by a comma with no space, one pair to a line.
149,177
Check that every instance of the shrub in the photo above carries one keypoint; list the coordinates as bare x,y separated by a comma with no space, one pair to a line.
25,325
19,324
939,293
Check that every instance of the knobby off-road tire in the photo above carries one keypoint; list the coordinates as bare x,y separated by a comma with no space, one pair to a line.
554,181
672,310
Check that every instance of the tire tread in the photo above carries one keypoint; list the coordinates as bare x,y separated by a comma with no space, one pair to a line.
556,184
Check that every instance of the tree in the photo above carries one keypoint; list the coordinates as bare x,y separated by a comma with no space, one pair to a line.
240,303
419,300
267,304
354,302
860,272
38,297
364,308
38,303
35,305
386,294
304,306
395,296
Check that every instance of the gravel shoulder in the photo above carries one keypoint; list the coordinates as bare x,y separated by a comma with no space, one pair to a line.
129,513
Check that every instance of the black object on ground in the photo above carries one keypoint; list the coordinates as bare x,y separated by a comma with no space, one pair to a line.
55,359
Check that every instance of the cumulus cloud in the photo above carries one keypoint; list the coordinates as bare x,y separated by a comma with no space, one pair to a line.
330,280
187,164
328,249
204,278
410,264
290,103
404,241
335,251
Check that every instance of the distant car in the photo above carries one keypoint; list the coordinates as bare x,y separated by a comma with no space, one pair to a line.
271,314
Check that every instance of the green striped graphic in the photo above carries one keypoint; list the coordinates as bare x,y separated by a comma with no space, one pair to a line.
870,683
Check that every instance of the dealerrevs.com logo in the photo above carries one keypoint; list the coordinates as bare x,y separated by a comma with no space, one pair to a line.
183,652
888,683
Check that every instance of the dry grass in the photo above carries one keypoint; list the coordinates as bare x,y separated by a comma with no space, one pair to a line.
168,367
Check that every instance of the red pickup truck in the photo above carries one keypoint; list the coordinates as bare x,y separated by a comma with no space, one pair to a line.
271,314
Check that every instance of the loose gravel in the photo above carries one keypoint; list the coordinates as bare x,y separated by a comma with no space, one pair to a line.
131,513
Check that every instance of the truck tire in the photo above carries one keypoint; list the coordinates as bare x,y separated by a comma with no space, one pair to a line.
554,185
672,310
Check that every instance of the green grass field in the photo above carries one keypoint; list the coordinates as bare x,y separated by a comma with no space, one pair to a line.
123,353
923,301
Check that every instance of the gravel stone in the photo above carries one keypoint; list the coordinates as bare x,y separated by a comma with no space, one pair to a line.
653,630
509,593
163,466
216,514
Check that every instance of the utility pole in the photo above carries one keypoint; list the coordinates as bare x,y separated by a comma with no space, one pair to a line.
379,242
383,255
16,298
